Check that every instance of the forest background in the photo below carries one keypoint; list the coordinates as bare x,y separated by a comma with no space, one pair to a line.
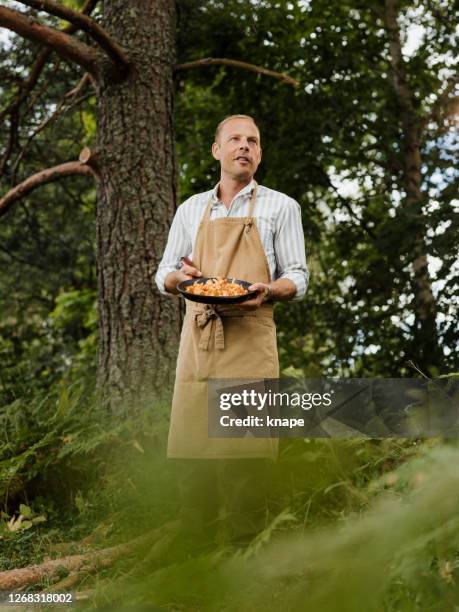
357,105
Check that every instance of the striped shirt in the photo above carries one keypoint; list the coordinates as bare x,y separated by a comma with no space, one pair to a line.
278,221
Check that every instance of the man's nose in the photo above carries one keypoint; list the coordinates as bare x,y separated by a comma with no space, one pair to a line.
244,145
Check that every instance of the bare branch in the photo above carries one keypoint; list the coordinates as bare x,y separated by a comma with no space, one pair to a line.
62,43
15,125
83,22
90,158
68,102
87,9
41,178
346,203
27,85
214,61
44,86
12,139
82,83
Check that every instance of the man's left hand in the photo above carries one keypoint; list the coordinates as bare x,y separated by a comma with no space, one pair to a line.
262,295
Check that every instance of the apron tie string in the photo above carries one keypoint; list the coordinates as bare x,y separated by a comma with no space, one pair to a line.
204,321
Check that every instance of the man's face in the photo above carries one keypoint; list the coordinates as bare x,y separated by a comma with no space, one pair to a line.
238,149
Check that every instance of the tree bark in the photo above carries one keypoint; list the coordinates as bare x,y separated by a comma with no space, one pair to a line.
426,350
136,202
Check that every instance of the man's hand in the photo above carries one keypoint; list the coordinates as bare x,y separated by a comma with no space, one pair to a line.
281,289
186,272
263,292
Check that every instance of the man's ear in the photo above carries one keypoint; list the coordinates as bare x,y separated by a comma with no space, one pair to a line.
216,150
261,153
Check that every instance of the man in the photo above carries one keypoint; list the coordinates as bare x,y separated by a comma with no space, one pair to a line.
237,230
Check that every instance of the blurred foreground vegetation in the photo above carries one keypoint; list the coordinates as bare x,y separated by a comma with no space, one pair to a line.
333,525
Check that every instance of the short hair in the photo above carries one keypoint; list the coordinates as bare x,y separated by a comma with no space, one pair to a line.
226,119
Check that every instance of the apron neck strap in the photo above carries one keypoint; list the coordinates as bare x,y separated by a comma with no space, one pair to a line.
206,214
253,197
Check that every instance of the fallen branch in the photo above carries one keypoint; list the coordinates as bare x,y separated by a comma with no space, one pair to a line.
218,61
11,580
65,584
15,579
41,178
83,22
62,43
73,547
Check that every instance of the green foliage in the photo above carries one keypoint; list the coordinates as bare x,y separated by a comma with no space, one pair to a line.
47,240
62,463
336,145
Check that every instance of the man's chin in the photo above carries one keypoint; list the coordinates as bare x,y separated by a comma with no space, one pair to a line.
245,175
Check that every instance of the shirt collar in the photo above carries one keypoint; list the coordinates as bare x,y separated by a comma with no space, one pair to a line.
247,190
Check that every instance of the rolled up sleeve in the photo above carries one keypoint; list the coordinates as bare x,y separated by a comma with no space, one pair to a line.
178,245
289,248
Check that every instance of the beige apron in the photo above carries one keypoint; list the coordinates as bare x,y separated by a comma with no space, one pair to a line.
222,342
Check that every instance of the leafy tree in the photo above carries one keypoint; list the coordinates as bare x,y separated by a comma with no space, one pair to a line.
366,144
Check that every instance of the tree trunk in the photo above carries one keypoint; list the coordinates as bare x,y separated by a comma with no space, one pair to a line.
426,350
136,202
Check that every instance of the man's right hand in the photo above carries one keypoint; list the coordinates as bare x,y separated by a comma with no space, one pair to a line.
186,272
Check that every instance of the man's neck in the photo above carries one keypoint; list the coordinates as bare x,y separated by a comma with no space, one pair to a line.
228,188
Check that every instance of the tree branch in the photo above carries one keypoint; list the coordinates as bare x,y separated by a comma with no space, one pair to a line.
345,202
12,139
83,22
62,43
64,105
29,83
90,157
214,61
41,178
